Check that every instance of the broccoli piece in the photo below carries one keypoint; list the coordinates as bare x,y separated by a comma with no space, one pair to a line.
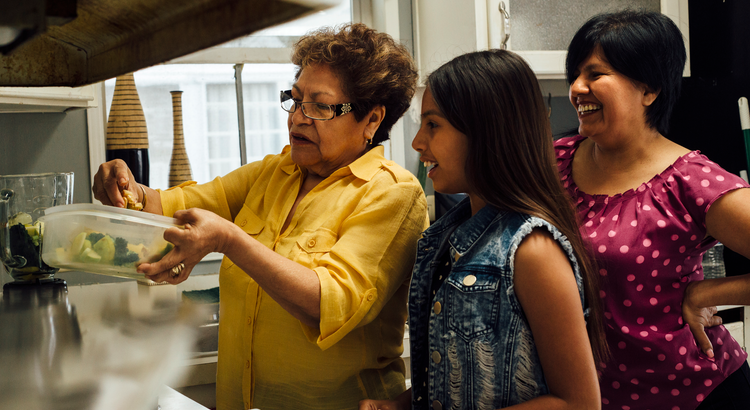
121,246
124,256
94,237
21,244
129,259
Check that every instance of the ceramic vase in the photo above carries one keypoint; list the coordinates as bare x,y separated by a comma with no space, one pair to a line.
179,165
127,136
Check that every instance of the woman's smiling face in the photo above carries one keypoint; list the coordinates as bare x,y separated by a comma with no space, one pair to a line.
442,148
607,101
322,147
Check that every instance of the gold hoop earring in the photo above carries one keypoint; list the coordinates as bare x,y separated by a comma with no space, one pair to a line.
369,141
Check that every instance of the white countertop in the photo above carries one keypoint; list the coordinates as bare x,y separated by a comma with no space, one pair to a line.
170,399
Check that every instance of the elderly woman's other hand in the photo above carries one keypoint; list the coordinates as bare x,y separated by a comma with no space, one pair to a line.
698,318
402,402
204,232
378,405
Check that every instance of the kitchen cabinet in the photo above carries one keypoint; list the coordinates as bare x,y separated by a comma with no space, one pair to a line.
108,38
19,100
539,30
47,99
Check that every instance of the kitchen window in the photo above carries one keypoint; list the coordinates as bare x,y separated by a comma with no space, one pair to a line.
209,99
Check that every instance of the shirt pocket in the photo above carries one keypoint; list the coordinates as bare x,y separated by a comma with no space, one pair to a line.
314,244
250,223
472,303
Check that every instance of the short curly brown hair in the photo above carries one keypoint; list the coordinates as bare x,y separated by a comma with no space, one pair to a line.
372,67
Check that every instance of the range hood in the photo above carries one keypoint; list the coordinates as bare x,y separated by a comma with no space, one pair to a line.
113,37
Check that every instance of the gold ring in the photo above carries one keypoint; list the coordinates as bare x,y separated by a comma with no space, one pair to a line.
177,269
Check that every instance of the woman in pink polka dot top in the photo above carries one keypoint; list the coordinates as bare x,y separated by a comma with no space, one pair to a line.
650,209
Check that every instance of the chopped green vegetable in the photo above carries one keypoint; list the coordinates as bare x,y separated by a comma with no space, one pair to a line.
124,256
109,250
105,247
121,246
33,233
129,259
26,245
95,236
21,218
90,256
22,244
78,243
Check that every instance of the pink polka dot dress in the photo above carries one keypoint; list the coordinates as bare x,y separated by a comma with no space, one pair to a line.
649,243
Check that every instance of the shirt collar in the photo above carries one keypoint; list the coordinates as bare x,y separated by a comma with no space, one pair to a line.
364,167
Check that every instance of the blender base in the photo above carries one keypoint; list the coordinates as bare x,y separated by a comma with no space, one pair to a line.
48,282
34,294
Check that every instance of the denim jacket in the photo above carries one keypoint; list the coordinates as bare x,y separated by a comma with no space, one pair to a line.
471,346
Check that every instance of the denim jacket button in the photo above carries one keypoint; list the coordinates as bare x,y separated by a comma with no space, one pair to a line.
437,308
470,280
436,405
436,356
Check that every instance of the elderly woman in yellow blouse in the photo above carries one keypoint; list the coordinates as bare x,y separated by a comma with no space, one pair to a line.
319,240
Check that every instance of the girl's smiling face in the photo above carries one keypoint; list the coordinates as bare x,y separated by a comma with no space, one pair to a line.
442,148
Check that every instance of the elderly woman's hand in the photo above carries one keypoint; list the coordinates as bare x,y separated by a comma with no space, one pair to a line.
401,402
379,405
698,318
204,232
109,181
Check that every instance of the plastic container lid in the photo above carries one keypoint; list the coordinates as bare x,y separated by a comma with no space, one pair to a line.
112,212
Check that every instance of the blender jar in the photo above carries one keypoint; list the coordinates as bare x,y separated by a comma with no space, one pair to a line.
23,199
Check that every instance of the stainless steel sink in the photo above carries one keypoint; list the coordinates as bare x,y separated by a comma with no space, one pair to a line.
208,338
208,330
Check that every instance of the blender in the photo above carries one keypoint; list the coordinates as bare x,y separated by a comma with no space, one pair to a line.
23,199
40,325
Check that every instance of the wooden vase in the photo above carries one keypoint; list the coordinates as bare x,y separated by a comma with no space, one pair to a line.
127,135
179,165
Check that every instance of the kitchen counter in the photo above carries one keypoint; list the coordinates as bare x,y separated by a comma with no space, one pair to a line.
193,383
170,399
122,342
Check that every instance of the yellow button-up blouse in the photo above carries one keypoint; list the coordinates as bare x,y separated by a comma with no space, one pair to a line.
358,231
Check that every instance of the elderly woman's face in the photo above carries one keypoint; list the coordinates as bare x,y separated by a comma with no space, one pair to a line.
325,146
608,103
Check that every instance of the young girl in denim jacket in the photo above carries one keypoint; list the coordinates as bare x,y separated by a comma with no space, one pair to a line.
503,304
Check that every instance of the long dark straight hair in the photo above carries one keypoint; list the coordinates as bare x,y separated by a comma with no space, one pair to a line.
494,99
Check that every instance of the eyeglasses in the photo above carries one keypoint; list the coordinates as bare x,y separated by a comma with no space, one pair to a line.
313,110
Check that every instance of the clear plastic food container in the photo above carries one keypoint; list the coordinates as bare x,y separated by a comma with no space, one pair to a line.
103,239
